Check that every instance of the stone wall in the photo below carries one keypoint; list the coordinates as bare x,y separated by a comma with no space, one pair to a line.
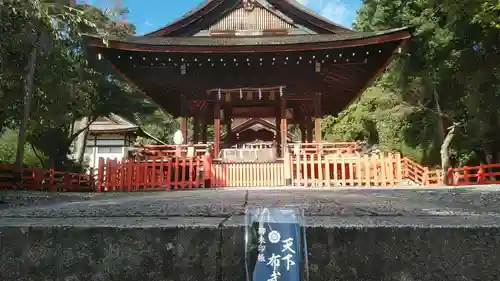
214,251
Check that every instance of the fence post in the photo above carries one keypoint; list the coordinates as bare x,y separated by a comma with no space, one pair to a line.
466,175
401,168
425,180
480,175
450,179
207,169
287,162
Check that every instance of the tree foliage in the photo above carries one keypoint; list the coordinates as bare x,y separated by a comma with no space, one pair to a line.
448,75
67,85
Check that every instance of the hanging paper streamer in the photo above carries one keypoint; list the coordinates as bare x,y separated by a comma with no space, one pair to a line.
275,245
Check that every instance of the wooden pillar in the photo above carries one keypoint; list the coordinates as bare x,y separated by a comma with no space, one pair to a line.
302,127
216,127
229,123
183,119
317,119
309,130
278,128
196,130
283,126
183,128
204,127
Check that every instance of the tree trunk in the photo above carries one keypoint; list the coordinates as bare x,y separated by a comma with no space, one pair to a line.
28,95
440,119
83,145
445,152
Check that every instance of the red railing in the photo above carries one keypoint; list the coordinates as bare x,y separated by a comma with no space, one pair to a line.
303,169
39,179
155,174
421,175
475,175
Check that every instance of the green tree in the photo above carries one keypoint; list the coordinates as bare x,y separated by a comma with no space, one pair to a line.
65,88
448,77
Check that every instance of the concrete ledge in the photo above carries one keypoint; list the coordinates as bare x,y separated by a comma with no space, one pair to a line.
212,249
366,234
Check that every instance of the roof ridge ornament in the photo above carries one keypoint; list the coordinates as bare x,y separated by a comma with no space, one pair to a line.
249,5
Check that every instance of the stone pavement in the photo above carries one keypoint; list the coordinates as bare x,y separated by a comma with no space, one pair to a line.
353,234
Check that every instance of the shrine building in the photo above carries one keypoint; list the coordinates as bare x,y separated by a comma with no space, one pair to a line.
251,60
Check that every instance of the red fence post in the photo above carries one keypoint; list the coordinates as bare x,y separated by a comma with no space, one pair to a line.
480,175
207,169
450,180
466,175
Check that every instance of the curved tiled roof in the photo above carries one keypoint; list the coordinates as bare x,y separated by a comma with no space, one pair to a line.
363,38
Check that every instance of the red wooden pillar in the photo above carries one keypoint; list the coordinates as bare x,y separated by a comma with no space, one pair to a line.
283,126
317,119
196,130
302,127
278,130
204,134
216,127
183,127
309,125
229,123
183,119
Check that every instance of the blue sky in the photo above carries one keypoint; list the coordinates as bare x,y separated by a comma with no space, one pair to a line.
149,15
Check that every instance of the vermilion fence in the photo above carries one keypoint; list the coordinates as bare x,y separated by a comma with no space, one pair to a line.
420,174
302,169
39,179
155,174
482,174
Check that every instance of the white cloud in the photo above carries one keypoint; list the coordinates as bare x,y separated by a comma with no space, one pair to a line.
147,23
303,2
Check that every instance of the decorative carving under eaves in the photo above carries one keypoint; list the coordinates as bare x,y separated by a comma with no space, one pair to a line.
248,4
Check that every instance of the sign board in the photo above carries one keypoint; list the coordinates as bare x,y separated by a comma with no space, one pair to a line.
178,137
275,245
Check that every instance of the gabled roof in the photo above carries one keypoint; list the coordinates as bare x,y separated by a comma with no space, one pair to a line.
247,124
211,11
115,124
112,123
